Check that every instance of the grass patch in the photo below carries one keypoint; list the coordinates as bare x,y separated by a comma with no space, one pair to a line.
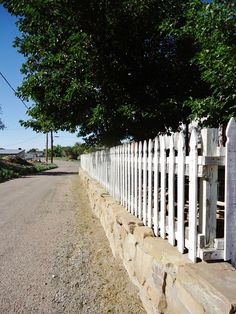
10,170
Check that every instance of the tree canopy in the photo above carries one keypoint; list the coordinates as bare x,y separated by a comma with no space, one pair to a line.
126,69
213,28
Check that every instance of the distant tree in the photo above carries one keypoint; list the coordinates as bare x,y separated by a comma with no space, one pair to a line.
57,151
2,126
107,66
33,150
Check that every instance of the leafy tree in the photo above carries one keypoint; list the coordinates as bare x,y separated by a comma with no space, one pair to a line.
108,66
57,151
213,27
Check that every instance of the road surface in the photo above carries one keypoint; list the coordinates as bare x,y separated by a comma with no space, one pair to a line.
54,256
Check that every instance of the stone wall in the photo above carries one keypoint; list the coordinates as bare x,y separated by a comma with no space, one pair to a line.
168,282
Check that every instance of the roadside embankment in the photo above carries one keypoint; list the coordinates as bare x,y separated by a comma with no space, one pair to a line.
167,281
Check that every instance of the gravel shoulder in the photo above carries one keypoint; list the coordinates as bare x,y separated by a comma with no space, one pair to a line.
54,255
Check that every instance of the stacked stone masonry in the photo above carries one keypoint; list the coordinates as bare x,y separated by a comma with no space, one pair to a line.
168,282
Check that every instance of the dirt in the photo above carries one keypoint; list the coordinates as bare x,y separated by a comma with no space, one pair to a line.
54,255
87,276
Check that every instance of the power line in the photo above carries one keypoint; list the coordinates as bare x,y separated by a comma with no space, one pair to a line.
25,141
12,88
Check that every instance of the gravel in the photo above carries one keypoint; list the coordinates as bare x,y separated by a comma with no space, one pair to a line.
54,255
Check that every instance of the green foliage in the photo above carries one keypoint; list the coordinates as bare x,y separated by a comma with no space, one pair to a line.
213,27
12,170
2,126
108,67
126,69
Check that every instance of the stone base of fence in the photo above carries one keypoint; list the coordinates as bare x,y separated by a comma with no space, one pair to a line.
168,282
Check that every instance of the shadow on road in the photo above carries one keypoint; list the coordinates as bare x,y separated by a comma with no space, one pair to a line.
57,173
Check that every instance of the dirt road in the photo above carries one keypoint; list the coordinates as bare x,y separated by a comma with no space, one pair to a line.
54,256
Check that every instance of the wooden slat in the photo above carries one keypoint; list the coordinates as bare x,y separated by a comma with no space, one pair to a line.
136,179
140,191
123,175
171,192
132,178
128,178
193,196
156,187
209,188
230,193
149,209
145,182
163,187
180,193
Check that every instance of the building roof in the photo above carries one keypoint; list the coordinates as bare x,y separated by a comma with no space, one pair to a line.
11,151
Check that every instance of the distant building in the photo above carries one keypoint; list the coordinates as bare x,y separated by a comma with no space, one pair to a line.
12,152
34,155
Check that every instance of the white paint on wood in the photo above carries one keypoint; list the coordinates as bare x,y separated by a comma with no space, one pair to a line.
163,187
145,182
180,193
136,179
230,193
171,192
156,187
132,179
140,190
209,191
193,157
150,197
128,179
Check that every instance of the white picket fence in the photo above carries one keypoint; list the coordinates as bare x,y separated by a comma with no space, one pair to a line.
177,194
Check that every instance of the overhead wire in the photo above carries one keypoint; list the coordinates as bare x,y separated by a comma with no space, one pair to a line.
12,88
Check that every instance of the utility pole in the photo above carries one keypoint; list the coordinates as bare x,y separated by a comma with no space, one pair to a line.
51,147
46,150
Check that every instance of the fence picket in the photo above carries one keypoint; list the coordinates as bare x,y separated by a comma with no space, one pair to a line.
171,192
132,179
181,193
156,187
145,182
230,195
140,190
193,159
150,146
136,179
163,187
129,178
207,214
123,175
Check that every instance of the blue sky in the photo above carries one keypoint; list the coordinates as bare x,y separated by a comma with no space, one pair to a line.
13,110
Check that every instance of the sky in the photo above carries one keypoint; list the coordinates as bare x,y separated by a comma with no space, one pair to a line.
12,109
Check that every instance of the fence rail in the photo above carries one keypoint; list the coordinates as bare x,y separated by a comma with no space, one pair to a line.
187,198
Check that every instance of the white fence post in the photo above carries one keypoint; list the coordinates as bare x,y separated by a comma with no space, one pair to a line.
209,188
150,146
193,160
140,181
156,187
230,193
145,183
163,187
136,179
132,178
128,178
181,193
171,192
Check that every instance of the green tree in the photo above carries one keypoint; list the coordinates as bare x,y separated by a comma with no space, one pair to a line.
2,126
109,67
213,27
